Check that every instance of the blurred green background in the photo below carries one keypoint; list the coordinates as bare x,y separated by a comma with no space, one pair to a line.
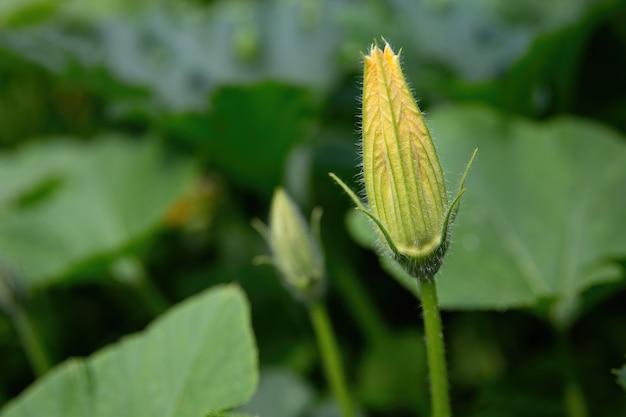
138,140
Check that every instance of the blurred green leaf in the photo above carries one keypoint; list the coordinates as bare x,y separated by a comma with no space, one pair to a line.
281,393
29,169
29,12
357,222
94,199
250,130
181,53
475,41
218,414
546,78
537,221
16,12
474,337
538,218
392,375
199,357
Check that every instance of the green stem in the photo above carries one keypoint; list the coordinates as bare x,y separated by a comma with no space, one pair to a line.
573,395
574,400
360,304
130,270
330,357
435,351
31,342
152,297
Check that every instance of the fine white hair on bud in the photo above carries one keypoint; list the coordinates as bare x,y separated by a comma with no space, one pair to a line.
404,184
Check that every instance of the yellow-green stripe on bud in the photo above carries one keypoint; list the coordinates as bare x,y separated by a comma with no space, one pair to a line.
295,247
404,184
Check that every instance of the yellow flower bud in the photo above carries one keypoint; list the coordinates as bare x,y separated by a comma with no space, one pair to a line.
295,248
404,184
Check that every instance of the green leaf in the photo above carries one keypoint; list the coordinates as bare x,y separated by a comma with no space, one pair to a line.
489,36
621,376
250,130
104,195
281,393
14,12
197,358
28,12
276,117
392,375
218,414
162,48
538,219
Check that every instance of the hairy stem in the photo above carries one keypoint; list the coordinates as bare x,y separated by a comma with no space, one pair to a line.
435,350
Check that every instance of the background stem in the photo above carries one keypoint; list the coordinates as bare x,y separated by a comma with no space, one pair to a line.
331,359
31,342
573,396
151,296
364,311
130,271
435,351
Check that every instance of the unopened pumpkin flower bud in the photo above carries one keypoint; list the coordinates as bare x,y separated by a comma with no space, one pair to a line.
295,247
406,192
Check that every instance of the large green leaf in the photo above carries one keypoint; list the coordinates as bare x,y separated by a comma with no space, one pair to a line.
198,358
250,130
538,218
25,12
66,202
179,54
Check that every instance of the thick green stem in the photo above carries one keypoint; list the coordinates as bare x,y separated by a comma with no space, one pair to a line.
31,342
435,350
331,359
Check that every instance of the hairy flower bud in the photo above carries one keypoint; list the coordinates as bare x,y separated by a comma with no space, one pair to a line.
404,184
295,248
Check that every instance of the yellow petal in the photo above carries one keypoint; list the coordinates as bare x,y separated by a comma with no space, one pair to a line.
403,179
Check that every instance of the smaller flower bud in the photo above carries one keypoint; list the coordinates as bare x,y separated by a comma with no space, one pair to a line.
295,247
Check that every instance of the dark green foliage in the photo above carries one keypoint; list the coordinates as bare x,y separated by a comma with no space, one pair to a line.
139,138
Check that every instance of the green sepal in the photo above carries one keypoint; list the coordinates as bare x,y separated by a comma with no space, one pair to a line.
261,228
361,207
386,234
351,194
454,207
